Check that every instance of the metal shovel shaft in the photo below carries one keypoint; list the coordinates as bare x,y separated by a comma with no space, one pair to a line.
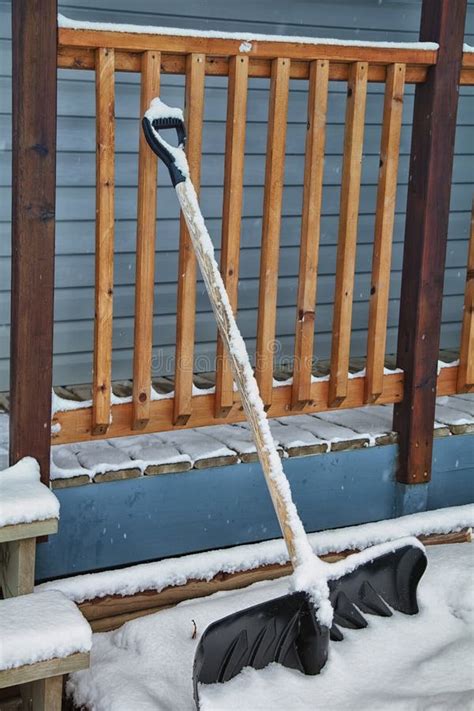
278,485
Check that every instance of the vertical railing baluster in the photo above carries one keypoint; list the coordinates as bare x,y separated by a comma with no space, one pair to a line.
310,231
186,309
347,238
269,257
145,264
232,215
104,247
466,354
384,219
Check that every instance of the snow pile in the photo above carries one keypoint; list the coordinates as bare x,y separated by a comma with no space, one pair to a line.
400,663
245,37
34,628
23,498
205,566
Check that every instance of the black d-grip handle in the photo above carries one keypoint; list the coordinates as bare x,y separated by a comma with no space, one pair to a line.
150,129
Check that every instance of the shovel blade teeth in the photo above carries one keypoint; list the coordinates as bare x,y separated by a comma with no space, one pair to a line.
346,613
371,602
388,581
336,634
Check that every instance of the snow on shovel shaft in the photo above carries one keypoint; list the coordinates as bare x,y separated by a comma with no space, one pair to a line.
293,630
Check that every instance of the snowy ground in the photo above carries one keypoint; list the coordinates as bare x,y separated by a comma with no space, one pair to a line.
403,663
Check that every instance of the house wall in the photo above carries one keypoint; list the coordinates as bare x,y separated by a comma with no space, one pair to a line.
153,517
364,19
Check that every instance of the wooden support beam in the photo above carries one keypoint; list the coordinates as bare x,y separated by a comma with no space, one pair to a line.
104,240
226,47
347,238
17,567
83,58
232,215
75,424
466,355
432,148
384,219
269,256
145,263
186,309
310,232
34,35
39,671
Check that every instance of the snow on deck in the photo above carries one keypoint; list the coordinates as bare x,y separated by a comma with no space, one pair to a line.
245,37
35,628
218,445
400,663
23,498
205,566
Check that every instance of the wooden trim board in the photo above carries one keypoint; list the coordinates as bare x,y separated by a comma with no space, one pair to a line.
134,42
110,612
44,670
20,531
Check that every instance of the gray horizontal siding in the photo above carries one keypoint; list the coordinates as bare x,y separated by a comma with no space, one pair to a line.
390,20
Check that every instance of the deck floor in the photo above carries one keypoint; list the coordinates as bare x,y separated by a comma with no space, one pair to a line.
219,445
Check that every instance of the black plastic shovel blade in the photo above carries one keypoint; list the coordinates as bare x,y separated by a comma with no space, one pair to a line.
285,630
388,581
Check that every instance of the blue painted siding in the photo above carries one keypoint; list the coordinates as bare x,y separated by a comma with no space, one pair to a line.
121,523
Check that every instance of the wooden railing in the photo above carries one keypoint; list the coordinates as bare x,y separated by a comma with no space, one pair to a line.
150,55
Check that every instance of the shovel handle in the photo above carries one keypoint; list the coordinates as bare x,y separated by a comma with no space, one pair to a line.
293,531
163,150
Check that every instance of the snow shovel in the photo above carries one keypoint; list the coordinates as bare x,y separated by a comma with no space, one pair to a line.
294,629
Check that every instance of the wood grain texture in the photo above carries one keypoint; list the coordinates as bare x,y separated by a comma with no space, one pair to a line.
84,58
145,260
310,232
186,308
232,214
133,42
19,531
75,424
104,246
347,237
466,355
384,220
33,229
42,670
47,694
17,567
434,126
272,202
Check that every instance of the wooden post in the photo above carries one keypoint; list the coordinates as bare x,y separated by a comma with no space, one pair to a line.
145,264
232,216
34,33
384,219
432,148
270,250
310,232
186,310
104,239
347,236
466,354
